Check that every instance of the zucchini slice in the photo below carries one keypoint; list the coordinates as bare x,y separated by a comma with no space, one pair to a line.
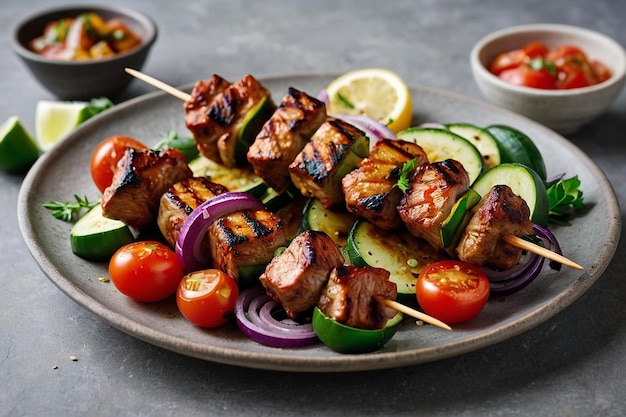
336,222
235,179
524,182
96,237
400,253
454,225
516,147
481,139
440,144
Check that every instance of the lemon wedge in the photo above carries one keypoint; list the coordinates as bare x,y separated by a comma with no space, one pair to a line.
378,93
18,150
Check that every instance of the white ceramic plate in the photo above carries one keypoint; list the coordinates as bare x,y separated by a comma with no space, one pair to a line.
64,171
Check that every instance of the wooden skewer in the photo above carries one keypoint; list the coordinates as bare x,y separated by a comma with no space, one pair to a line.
159,84
513,240
540,250
413,313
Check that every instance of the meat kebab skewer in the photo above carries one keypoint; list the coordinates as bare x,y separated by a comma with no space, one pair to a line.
510,239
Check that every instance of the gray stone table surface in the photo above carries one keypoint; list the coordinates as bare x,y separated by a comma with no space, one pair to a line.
572,365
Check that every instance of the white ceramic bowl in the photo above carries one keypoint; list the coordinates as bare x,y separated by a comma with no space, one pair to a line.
565,111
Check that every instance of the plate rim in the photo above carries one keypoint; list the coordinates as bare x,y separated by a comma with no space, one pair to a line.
343,363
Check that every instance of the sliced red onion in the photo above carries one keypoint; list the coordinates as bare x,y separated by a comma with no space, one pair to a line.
372,128
323,97
192,235
255,312
504,283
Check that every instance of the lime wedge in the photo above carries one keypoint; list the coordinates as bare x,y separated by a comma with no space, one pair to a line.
55,119
18,150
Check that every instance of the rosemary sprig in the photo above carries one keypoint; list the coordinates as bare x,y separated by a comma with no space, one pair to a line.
69,211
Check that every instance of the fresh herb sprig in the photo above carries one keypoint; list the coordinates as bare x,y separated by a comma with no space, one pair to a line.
564,198
405,171
70,211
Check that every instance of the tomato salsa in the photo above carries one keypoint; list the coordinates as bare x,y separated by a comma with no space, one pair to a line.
536,66
86,36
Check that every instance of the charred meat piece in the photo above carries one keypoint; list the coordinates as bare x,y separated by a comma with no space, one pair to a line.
499,213
141,178
433,192
283,136
370,190
197,108
180,200
245,238
296,277
350,297
335,149
228,124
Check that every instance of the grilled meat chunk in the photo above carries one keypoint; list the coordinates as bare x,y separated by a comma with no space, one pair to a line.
227,124
141,178
370,190
296,277
335,149
433,192
350,297
180,200
283,136
197,109
499,213
245,238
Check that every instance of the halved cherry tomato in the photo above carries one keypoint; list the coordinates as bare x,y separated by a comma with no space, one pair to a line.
207,297
452,291
106,156
145,271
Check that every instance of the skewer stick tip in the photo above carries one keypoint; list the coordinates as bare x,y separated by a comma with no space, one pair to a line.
541,251
158,84
413,313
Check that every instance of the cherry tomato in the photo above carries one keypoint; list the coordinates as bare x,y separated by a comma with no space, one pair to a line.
106,156
452,291
207,297
513,59
528,77
145,271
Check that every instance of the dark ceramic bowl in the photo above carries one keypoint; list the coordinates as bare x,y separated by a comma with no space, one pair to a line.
83,80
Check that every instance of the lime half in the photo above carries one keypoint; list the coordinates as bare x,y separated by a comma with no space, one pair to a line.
18,150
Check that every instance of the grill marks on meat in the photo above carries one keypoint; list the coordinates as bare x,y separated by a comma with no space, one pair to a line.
180,200
245,238
202,127
218,113
370,191
499,213
296,277
350,296
335,149
433,192
141,178
283,136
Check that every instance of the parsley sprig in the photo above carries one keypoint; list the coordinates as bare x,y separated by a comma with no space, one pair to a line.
403,179
70,211
564,198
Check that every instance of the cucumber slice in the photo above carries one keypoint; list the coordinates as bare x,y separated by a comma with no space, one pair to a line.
481,139
524,182
400,253
96,237
335,222
235,179
454,224
441,144
516,147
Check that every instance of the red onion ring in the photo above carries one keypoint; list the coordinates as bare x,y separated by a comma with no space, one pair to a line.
253,312
372,128
504,283
193,231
